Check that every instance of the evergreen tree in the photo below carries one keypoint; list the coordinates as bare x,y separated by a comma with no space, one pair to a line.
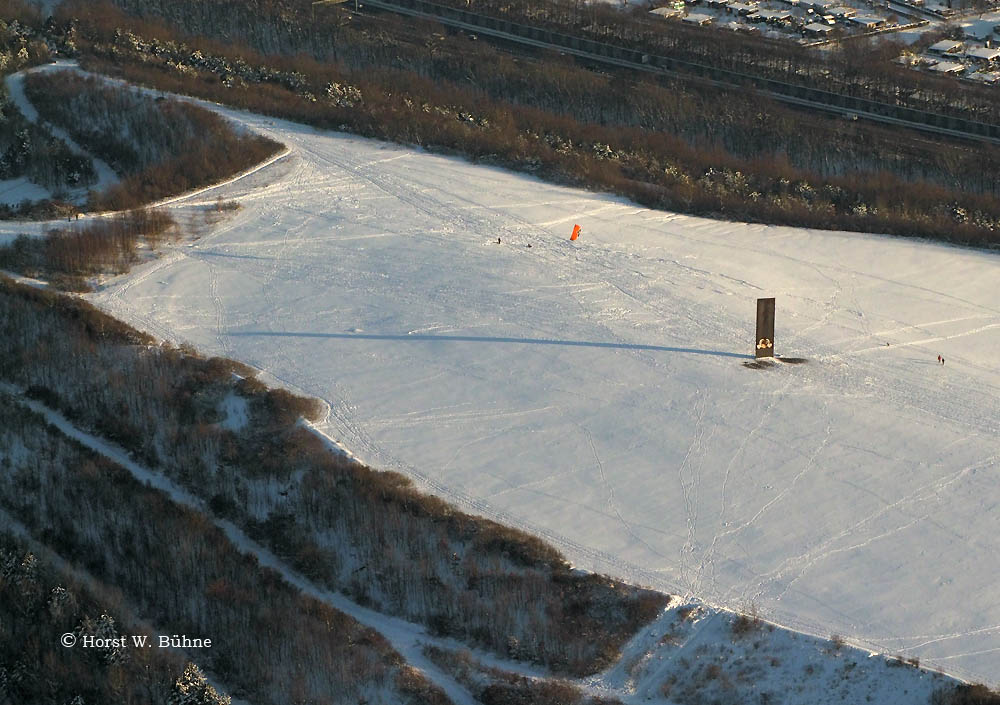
192,688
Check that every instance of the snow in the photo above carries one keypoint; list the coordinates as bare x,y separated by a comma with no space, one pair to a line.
698,658
979,26
13,191
21,279
594,392
235,412
947,67
47,7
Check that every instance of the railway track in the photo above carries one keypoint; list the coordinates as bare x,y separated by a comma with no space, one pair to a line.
793,94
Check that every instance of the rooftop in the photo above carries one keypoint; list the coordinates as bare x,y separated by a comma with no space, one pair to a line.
983,53
947,67
945,46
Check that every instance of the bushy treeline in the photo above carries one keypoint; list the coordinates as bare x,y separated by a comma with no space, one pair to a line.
101,246
690,171
22,36
169,563
744,126
967,694
160,147
862,70
369,534
491,686
291,27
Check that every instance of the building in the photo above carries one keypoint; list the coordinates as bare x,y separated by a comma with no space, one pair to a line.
818,30
982,55
948,67
945,46
741,8
867,22
842,12
775,16
666,12
989,77
698,19
771,16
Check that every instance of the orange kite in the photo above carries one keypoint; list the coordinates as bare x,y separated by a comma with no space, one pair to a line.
576,232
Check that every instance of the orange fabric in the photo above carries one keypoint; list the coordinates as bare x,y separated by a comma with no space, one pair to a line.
576,232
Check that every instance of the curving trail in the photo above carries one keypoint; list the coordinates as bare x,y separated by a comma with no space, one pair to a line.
592,392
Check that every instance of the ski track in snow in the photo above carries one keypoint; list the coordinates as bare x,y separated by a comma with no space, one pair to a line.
369,275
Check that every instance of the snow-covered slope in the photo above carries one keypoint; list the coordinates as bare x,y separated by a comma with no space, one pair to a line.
691,653
594,391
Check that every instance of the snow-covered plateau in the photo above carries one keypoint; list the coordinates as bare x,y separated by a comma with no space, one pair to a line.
594,392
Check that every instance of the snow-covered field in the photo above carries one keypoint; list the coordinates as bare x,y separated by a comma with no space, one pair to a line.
594,391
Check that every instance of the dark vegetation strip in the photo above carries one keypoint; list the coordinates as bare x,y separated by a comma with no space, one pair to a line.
865,70
713,121
616,56
158,147
862,70
368,534
270,643
66,256
966,694
753,162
